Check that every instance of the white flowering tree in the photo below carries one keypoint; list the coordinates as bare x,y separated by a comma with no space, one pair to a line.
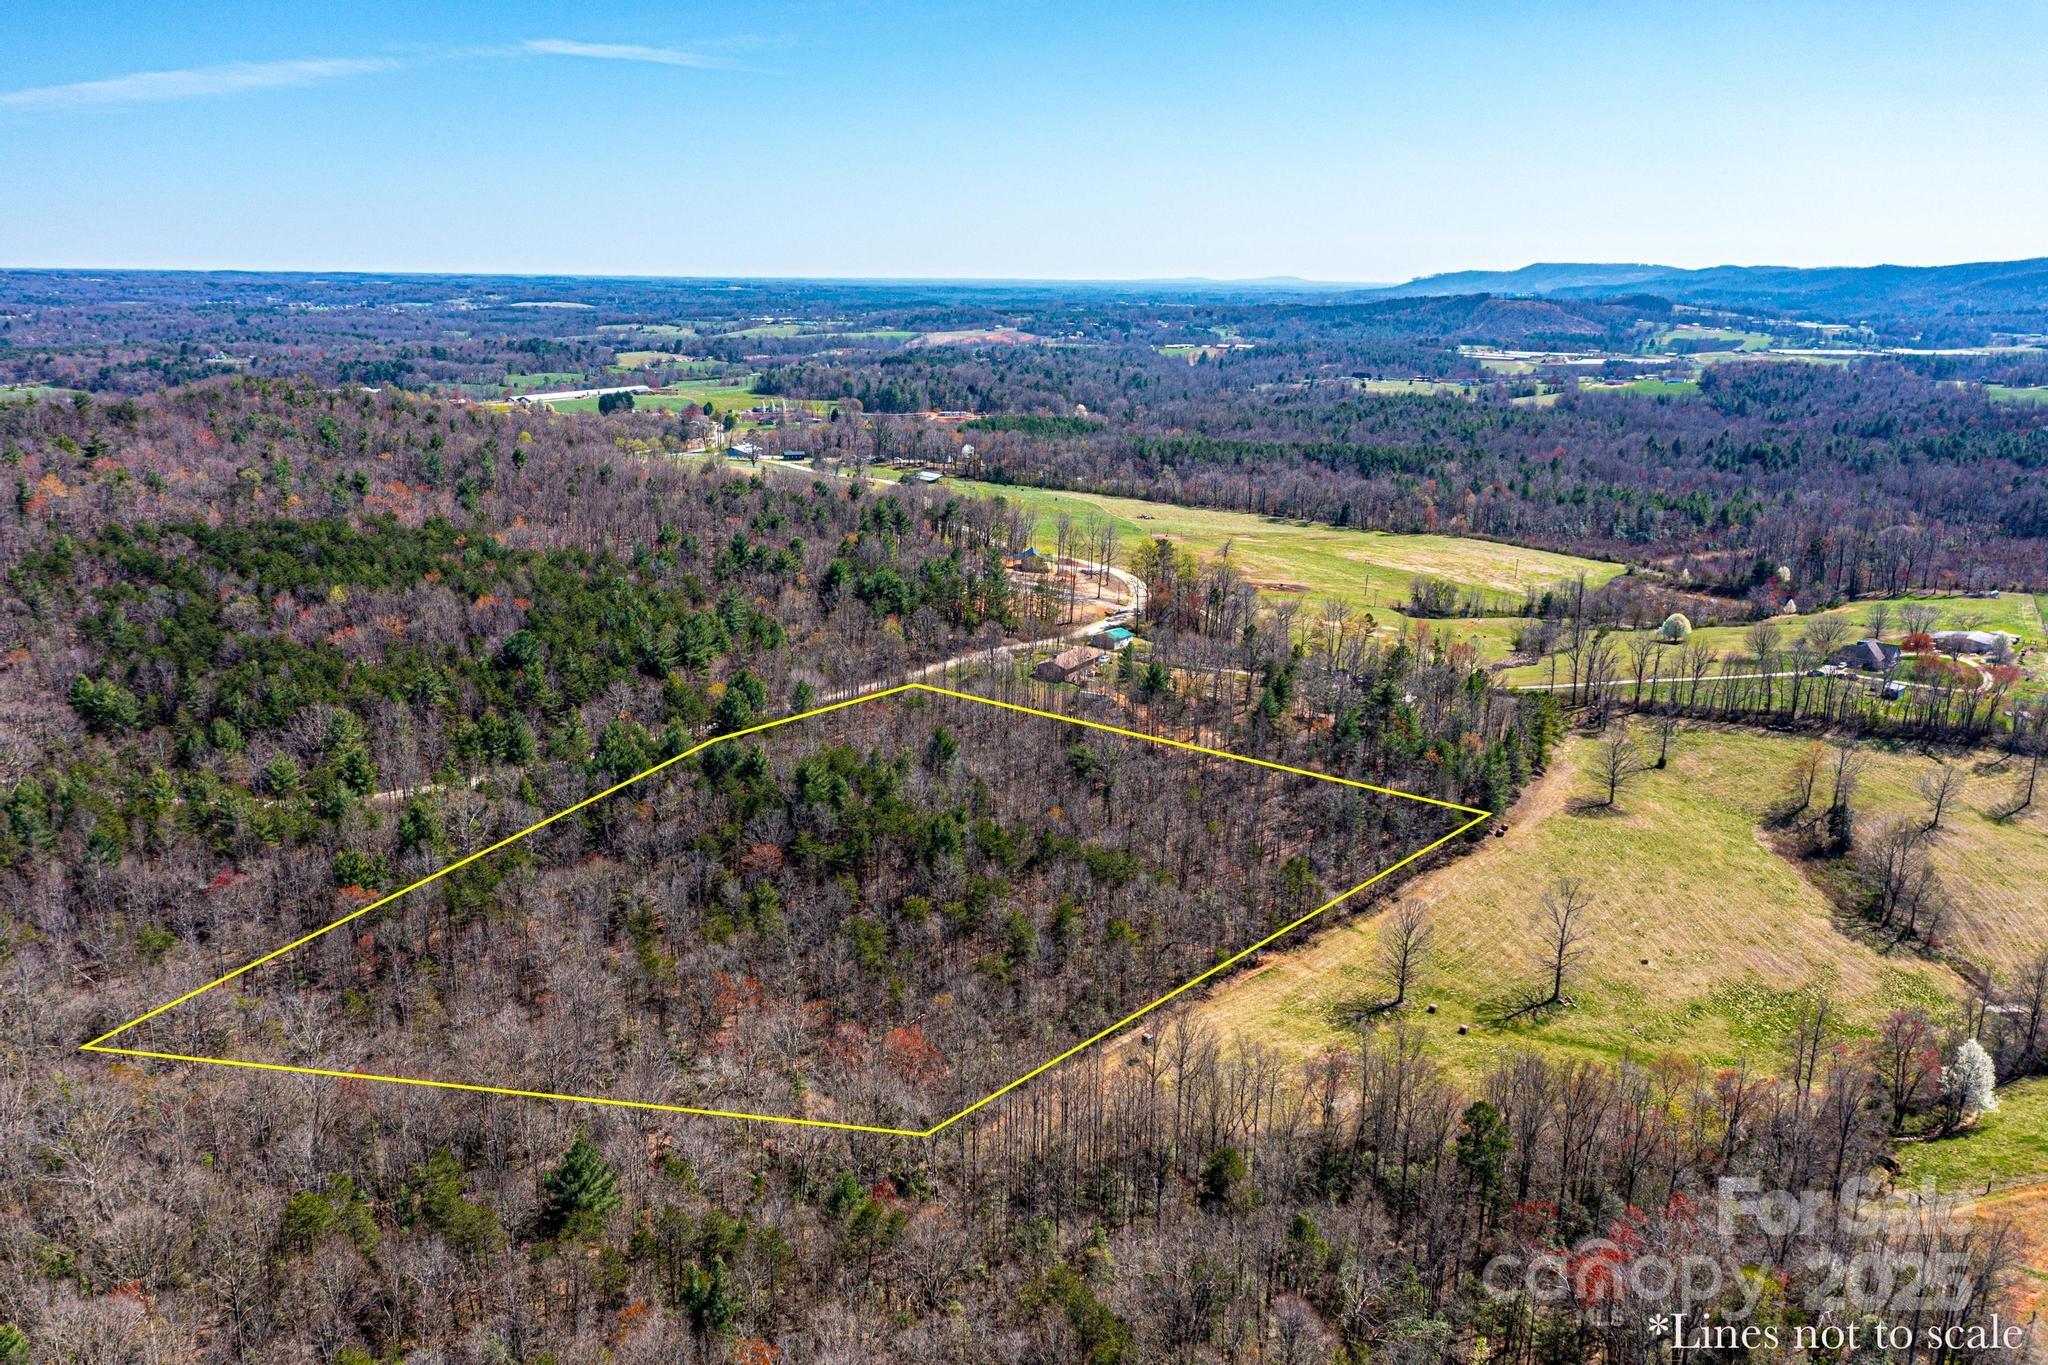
1969,1083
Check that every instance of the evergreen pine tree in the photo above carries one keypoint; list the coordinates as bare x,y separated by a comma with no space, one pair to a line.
580,1192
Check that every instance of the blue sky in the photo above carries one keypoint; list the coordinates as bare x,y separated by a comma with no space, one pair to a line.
1372,140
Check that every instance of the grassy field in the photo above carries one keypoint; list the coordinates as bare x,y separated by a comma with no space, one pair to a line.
17,393
2008,393
2019,613
2027,1210
2003,1149
544,379
768,329
1736,937
1441,387
662,331
1734,338
1309,560
1779,357
723,395
1649,388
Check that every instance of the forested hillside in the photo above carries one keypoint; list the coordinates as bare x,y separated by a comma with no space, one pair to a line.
273,647
1038,764
1871,481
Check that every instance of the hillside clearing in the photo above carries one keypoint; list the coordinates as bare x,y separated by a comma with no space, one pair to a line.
1309,560
1737,938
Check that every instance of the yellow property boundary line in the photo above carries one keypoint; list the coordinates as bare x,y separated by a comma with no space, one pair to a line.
102,1044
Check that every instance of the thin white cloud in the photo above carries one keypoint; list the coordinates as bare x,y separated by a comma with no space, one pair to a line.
621,52
148,87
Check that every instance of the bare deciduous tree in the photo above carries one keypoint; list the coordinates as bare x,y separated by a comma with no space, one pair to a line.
1799,785
1617,762
1918,617
2030,739
1565,934
1941,788
1696,658
1761,640
1668,727
1846,771
1826,634
1404,947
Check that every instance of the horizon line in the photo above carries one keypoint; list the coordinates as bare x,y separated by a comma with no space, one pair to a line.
1299,282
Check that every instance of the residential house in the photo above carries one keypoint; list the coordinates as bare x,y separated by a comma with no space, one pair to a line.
1068,664
1972,641
1875,655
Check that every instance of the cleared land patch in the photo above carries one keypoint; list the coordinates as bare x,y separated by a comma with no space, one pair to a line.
1426,387
1737,936
2014,393
2017,613
543,379
1728,337
1647,388
1369,569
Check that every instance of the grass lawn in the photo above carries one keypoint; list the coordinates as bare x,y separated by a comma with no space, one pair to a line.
2009,393
17,393
2007,1148
1736,937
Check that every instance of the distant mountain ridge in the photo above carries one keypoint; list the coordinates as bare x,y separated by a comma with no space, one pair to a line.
1844,293
1538,279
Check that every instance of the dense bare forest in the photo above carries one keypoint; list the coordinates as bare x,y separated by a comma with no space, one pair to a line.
878,916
